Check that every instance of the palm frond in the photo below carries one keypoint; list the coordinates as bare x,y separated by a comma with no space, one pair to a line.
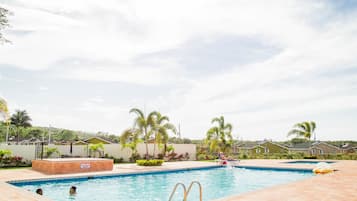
137,112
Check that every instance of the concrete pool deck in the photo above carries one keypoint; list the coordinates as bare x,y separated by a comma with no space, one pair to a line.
339,185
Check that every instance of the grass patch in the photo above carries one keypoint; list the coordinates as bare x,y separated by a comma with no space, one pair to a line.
15,168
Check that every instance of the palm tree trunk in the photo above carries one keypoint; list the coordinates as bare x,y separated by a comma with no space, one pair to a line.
153,155
7,133
17,135
147,150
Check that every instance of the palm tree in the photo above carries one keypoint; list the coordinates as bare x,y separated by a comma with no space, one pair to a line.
3,108
130,138
96,148
219,137
161,128
4,111
143,126
304,129
20,120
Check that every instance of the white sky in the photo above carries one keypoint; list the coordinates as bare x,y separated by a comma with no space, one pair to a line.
264,65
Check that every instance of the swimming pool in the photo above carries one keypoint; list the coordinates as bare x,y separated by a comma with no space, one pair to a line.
216,183
309,162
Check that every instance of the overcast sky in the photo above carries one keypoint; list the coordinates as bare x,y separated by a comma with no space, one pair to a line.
263,65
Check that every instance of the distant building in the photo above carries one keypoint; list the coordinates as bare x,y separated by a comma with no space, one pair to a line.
261,147
315,148
97,140
348,148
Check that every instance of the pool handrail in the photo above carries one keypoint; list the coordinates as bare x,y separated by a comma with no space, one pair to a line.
189,189
175,188
186,192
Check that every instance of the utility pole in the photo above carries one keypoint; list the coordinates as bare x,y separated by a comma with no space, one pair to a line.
179,131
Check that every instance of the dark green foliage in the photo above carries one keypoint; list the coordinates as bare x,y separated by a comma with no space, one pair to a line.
310,157
116,160
201,157
149,162
176,140
134,157
298,140
20,120
65,135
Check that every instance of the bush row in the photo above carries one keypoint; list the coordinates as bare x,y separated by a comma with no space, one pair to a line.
13,161
153,162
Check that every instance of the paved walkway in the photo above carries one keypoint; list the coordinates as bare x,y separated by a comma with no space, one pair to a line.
340,185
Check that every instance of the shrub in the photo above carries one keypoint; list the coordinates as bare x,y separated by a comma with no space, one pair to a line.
4,152
160,156
201,157
13,161
149,162
118,160
51,150
134,157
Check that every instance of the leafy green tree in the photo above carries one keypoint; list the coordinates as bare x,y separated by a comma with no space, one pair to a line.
20,120
142,127
66,135
219,137
4,22
298,140
161,129
36,133
304,129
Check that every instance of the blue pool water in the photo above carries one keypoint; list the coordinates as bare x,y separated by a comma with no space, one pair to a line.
309,162
216,183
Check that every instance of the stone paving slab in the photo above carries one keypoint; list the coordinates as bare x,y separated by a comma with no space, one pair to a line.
340,185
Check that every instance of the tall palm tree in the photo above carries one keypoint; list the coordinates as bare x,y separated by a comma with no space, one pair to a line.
304,129
219,137
161,129
20,120
143,126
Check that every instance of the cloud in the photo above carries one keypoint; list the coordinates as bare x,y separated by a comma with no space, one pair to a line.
43,88
264,65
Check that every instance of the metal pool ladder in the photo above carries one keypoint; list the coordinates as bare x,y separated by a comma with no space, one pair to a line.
186,192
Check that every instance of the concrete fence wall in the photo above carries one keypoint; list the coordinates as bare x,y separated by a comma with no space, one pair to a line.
25,151
115,150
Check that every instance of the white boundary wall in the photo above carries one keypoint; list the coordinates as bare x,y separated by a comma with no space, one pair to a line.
115,150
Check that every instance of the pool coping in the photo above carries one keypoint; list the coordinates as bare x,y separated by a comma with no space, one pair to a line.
14,182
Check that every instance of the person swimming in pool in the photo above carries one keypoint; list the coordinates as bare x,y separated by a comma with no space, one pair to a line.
39,191
73,190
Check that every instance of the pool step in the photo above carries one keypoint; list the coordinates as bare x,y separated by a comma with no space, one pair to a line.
186,192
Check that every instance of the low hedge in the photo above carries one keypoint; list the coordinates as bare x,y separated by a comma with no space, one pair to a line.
149,162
